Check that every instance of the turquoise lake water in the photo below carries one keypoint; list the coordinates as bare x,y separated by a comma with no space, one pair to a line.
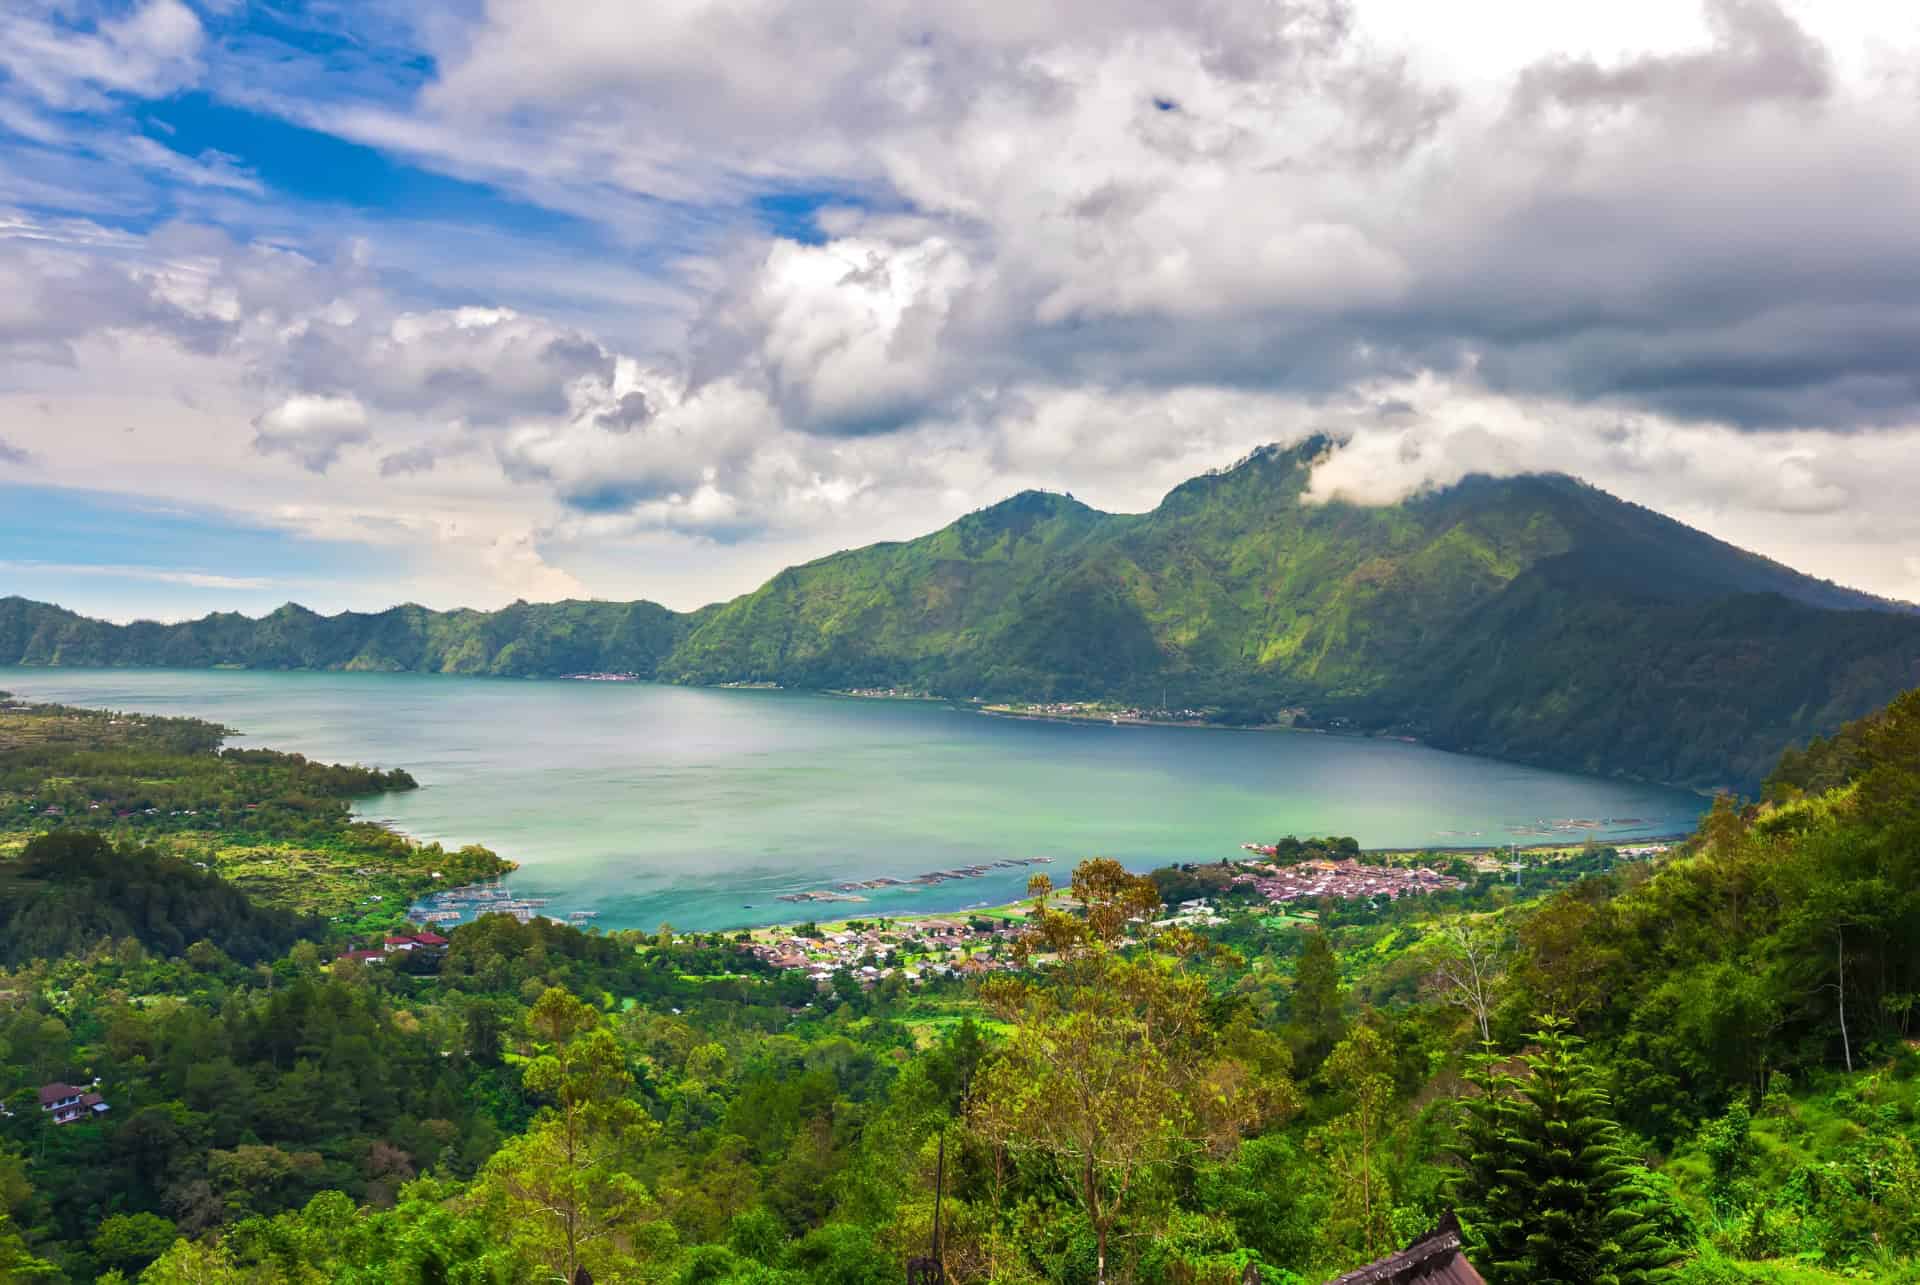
699,807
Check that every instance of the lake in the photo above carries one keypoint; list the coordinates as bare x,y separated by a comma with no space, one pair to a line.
699,807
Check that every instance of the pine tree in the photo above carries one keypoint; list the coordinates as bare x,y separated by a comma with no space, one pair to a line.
1547,1193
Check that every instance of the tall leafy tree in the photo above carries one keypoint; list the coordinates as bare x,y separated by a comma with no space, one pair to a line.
1547,1194
1359,1067
565,1187
1113,1070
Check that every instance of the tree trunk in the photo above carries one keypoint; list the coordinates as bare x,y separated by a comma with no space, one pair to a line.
1846,1045
1099,1225
1366,1180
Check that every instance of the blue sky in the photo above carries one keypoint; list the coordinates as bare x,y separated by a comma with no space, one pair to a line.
93,549
466,301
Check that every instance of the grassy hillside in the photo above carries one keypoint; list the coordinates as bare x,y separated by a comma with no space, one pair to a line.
1533,618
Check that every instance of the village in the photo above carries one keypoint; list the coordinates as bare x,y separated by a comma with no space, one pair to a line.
919,949
1341,880
874,950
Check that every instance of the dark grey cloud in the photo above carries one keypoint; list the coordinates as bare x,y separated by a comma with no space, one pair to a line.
1760,54
484,368
414,459
631,411
11,454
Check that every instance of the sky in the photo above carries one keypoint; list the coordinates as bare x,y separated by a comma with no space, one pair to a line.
356,302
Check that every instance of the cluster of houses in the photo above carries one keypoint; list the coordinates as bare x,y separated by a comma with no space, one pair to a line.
918,949
1197,913
398,945
1343,880
1130,714
69,1103
924,948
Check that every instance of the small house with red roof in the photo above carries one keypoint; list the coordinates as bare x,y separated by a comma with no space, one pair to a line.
416,941
69,1103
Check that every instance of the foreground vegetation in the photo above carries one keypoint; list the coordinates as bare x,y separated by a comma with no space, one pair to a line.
1700,1069
1530,618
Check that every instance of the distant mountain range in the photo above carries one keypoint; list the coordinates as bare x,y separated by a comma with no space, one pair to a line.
1533,618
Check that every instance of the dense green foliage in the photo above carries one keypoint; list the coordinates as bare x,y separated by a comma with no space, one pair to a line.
72,888
1710,1053
1532,618
1548,1193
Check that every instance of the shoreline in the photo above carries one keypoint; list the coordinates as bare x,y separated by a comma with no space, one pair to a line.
965,895
849,907
1018,908
1192,724
966,704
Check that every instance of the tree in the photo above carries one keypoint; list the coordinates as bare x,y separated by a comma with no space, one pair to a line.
1547,1194
1357,1069
565,1184
1113,1070
1468,968
16,1263
1568,963
129,1242
1317,1002
193,1263
486,1031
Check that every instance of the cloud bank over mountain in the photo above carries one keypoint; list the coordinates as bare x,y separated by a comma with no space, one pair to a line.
655,301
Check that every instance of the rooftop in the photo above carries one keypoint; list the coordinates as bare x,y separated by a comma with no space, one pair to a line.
1434,1259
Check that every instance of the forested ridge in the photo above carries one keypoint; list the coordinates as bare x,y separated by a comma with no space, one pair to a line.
1700,1069
1532,618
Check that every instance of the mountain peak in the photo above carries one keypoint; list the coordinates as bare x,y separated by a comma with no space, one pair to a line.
1021,511
1276,468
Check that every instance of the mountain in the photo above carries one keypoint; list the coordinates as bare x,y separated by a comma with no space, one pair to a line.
1533,618
521,640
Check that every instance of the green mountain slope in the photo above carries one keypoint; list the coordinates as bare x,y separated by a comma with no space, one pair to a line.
1534,618
520,640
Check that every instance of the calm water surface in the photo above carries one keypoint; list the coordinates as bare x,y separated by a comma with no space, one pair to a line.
699,807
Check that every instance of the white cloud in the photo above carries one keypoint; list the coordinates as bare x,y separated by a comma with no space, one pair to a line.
313,430
159,575
849,336
1096,246
68,55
